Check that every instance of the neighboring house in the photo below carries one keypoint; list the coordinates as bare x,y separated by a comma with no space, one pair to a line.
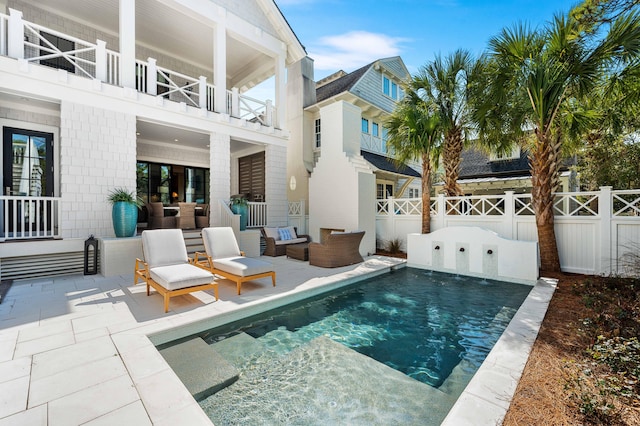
146,95
489,174
344,156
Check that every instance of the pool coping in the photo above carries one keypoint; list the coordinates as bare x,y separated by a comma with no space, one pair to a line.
487,397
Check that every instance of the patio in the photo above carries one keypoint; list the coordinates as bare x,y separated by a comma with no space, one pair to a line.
74,350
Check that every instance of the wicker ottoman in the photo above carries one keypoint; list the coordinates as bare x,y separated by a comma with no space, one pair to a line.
298,251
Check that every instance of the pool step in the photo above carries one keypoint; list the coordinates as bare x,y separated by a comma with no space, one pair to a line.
201,368
237,349
326,380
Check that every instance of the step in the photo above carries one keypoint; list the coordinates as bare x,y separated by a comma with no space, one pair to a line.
326,380
201,368
237,349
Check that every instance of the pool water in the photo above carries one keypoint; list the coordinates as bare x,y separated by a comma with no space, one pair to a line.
394,349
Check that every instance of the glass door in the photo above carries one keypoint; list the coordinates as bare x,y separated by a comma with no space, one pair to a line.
27,172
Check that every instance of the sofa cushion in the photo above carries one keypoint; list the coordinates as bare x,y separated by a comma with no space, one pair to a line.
242,266
272,233
174,277
163,247
291,241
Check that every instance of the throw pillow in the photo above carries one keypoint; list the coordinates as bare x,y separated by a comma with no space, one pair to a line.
285,234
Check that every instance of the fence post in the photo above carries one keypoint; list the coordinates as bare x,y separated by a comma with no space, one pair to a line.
303,221
441,212
15,34
101,60
509,216
202,92
152,77
604,259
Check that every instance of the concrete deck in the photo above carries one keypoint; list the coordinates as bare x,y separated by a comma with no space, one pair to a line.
80,349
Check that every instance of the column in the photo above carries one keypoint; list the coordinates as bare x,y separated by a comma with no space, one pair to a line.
604,259
219,174
128,43
281,92
220,68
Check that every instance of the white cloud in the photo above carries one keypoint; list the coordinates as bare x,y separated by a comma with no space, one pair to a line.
353,49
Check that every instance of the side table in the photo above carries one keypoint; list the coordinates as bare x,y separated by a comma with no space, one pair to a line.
298,251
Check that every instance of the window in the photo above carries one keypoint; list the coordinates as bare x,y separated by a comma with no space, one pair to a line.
28,163
414,193
251,176
384,190
513,155
394,90
317,133
365,125
391,88
374,129
385,86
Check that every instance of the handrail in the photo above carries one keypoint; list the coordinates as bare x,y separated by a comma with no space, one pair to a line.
25,217
227,217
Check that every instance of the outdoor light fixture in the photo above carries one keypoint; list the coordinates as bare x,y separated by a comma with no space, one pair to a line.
292,183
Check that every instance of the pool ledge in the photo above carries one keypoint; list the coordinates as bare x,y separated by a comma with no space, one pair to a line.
488,395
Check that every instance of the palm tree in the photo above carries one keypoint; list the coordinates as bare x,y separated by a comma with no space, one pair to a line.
535,76
443,83
414,133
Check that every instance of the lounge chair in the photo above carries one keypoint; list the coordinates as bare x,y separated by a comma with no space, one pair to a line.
168,269
223,257
338,249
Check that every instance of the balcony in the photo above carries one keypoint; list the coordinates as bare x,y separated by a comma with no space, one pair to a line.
32,43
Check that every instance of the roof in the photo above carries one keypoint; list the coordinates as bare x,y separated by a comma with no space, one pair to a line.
342,84
385,163
476,163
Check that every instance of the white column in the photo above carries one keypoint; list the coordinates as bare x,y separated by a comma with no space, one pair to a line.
219,173
276,183
281,92
220,68
16,34
128,43
510,216
101,60
152,77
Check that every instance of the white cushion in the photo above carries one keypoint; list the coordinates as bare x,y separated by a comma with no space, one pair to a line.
272,233
242,266
220,242
292,241
163,247
175,277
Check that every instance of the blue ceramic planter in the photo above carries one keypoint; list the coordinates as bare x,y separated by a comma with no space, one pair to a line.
243,211
125,219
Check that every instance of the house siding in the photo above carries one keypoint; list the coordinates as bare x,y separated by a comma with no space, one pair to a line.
276,185
369,87
97,154
250,12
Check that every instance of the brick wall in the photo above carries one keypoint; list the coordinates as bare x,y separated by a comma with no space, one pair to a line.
97,154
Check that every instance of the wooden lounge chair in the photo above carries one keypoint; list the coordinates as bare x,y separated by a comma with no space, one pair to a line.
224,258
338,249
168,269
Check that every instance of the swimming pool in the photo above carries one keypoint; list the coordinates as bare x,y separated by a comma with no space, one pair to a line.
398,348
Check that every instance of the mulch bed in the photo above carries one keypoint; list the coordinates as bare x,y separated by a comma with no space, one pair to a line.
554,389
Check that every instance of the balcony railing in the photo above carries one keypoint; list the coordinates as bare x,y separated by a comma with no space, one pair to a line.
24,218
372,143
31,42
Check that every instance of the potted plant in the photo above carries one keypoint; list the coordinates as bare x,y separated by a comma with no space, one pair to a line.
240,205
124,212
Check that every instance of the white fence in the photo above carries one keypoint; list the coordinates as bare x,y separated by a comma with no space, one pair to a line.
23,218
595,231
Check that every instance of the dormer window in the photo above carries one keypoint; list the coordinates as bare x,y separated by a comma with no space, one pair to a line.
513,155
391,88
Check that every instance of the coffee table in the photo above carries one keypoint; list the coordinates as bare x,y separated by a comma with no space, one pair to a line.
298,251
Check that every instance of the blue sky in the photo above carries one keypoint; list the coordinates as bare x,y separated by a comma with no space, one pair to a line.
347,34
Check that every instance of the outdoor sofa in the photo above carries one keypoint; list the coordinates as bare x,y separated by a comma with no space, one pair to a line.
338,249
277,239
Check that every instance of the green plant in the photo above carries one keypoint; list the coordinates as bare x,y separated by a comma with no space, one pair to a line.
238,200
123,195
394,245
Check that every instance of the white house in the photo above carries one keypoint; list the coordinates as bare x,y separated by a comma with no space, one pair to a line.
147,95
347,165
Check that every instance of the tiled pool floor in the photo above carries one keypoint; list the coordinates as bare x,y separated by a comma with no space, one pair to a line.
75,350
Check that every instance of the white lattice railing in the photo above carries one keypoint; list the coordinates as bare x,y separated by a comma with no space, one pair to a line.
404,206
372,143
477,205
257,215
626,203
29,217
